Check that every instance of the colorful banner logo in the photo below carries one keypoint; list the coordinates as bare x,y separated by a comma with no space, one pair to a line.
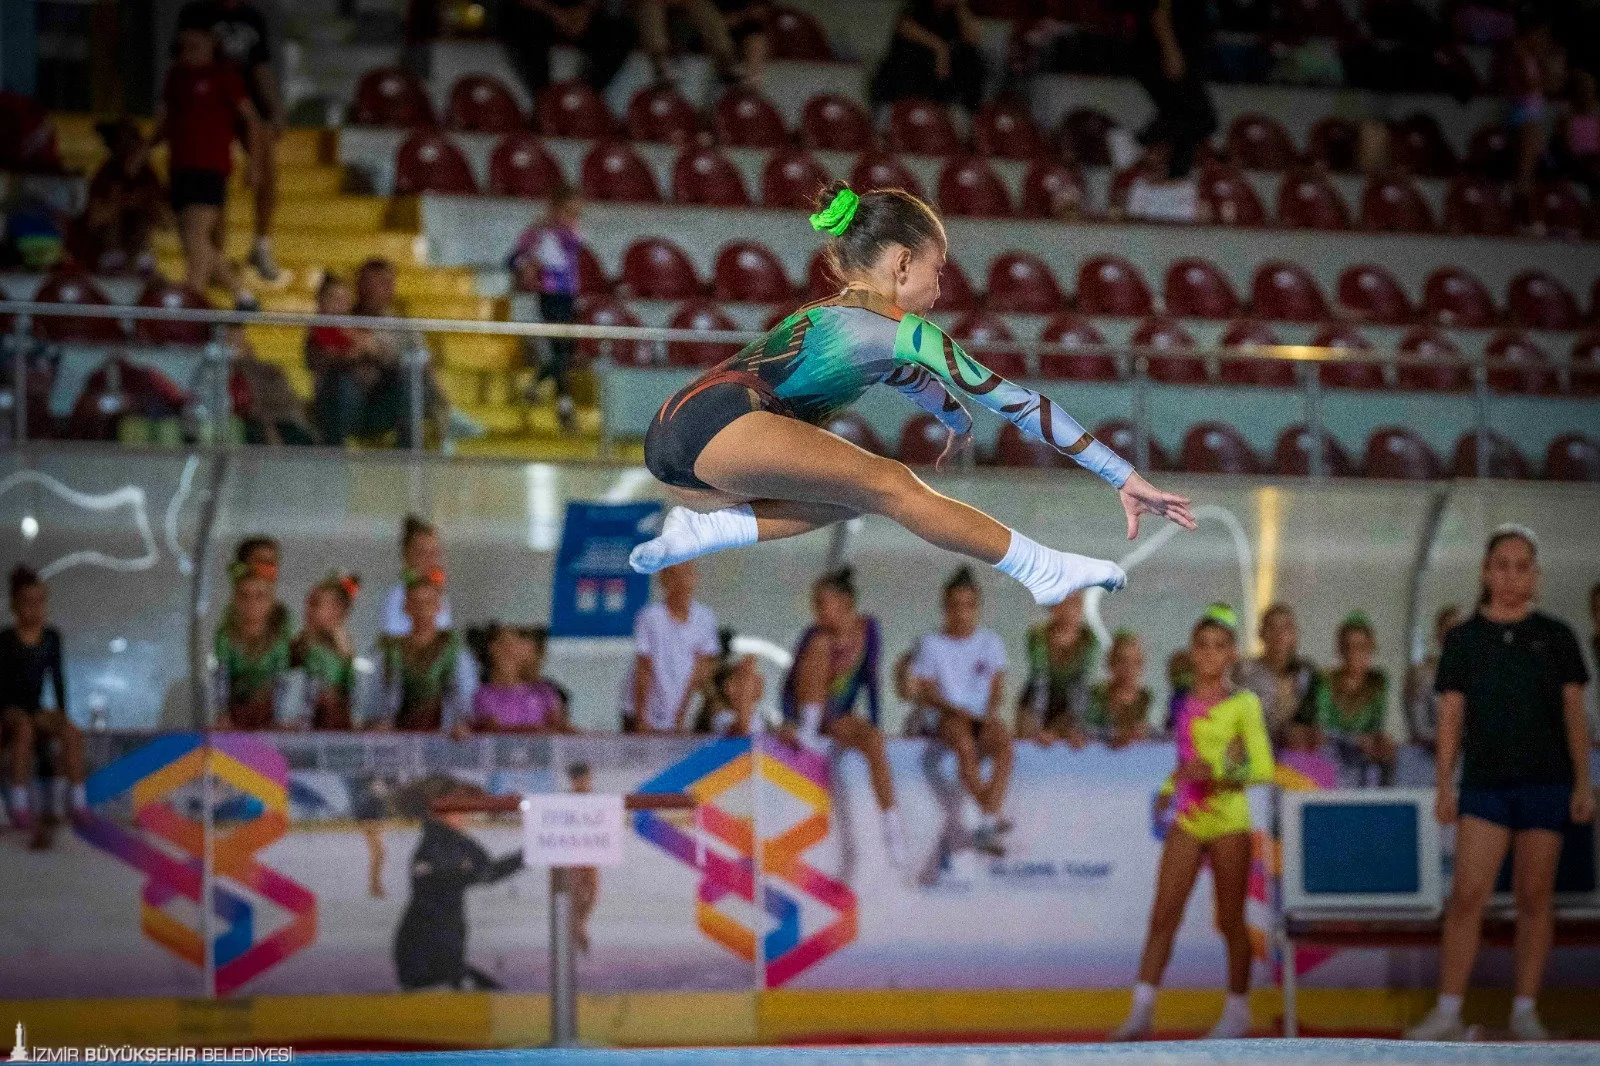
166,782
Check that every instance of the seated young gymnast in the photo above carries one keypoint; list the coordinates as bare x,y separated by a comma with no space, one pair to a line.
742,451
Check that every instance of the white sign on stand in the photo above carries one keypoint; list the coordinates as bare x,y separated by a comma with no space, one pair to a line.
572,829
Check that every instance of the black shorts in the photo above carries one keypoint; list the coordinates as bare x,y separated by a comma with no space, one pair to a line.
696,413
1520,807
198,188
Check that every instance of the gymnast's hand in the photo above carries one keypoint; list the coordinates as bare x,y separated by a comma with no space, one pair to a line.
955,445
1139,497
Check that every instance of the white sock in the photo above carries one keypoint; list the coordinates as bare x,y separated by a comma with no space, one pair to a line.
1236,1004
1523,1005
1051,576
1448,1006
19,799
80,797
1144,998
687,534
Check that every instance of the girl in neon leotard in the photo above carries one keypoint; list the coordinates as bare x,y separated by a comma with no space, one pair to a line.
1222,748
742,448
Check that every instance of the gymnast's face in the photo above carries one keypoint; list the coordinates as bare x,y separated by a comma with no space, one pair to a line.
961,605
916,275
1212,650
831,608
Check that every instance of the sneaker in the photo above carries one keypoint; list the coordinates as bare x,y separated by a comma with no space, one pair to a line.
1233,1025
261,259
1136,1027
1439,1027
1525,1025
464,427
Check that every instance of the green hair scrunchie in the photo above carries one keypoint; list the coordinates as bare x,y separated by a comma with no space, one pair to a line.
837,216
1222,614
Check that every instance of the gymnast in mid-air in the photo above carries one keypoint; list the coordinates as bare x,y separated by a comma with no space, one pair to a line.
743,453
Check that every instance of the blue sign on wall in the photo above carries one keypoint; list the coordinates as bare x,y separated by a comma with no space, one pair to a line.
596,593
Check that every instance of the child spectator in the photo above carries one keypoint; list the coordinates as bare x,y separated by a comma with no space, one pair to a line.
425,677
126,202
583,880
260,551
1285,683
1537,60
1422,703
732,695
653,18
531,28
545,261
344,366
750,25
1353,701
324,655
512,697
252,649
262,395
421,552
1119,707
1060,654
934,54
675,651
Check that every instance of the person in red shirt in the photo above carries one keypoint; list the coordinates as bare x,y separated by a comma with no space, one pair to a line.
202,105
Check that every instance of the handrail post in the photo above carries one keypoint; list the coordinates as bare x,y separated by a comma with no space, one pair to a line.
416,369
563,1000
1320,461
216,367
17,342
1480,395
1141,412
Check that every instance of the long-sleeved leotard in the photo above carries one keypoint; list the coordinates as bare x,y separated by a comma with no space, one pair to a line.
1230,736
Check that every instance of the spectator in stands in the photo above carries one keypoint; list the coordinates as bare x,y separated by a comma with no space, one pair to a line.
1422,702
1180,679
1511,703
750,26
31,655
126,202
1061,652
262,551
1285,683
263,397
1173,37
1352,702
426,677
204,105
933,55
530,28
324,655
653,17
421,552
1579,146
732,694
1538,66
675,651
545,261
347,367
512,697
1119,707
251,649
242,41
960,673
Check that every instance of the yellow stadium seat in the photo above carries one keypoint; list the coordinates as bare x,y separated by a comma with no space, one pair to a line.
283,345
365,214
473,352
502,420
441,305
310,247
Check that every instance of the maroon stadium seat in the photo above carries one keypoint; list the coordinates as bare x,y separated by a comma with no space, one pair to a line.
1477,206
835,124
1196,288
1396,452
608,311
1445,370
1528,368
1453,297
1165,335
820,281
1051,189
1259,142
982,330
1229,197
879,170
922,439
1110,285
797,34
482,104
791,180
1538,300
745,119
1417,145
1308,200
1021,283
1013,448
613,171
1584,365
657,269
1333,144
1338,374
160,292
519,166
391,96
700,314
749,273
855,429
1504,461
1370,293
1069,331
705,176
592,280
1004,128
955,290
428,161
1270,373
1572,457
1392,204
1558,208
1217,448
659,113
573,109
1121,437
1489,153
1292,454
922,127
1082,135
970,187
1286,292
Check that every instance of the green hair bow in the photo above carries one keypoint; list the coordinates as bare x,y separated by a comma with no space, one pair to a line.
837,216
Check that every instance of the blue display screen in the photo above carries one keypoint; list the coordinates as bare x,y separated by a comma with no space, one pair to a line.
1360,848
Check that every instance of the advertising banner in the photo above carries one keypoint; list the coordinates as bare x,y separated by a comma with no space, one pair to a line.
596,593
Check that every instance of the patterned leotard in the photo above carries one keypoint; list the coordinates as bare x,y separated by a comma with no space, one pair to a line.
1231,737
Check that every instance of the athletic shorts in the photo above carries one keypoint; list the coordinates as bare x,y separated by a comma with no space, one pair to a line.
1520,806
198,188
696,413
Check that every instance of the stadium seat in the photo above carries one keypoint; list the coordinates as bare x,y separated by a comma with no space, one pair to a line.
1021,283
1259,142
701,314
1286,292
1445,371
1013,448
1504,461
1196,288
1229,198
921,127
855,429
573,109
791,180
820,281
608,311
1333,144
1560,211
1069,331
1120,436
1489,153
1538,300
879,170
1269,373
613,171
1291,456
955,290
1454,298
743,118
1003,128
592,280
1391,204
160,292
982,330
798,35
705,176
750,273
660,114
1341,374
1052,190
1523,365
391,96
428,161
1572,457
657,269
1110,285
1417,145
922,440
481,104
1370,293
970,187
1584,365
520,166
835,124
1165,335
1397,453
67,285
1477,206
1308,200
1082,136
1217,448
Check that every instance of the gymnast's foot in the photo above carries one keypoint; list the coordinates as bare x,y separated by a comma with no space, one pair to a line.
687,534
1051,576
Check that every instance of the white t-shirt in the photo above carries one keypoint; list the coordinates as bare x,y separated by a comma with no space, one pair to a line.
673,647
962,668
396,623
